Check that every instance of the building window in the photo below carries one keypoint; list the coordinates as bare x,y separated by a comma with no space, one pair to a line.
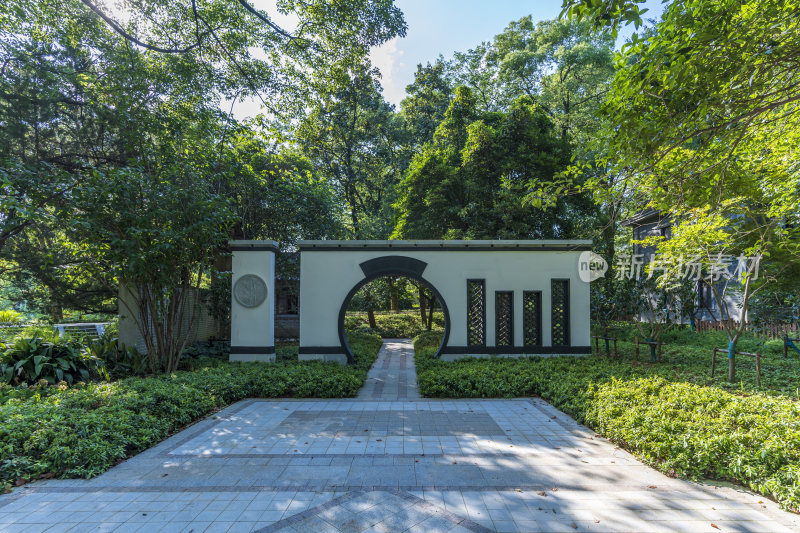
504,318
532,318
559,298
476,312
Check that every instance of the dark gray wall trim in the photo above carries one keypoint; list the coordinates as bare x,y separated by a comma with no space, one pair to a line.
254,248
465,248
393,264
516,349
320,349
252,349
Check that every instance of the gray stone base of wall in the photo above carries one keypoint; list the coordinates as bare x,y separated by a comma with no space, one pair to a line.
327,357
252,357
287,326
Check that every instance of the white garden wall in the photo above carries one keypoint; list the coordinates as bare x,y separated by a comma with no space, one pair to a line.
329,270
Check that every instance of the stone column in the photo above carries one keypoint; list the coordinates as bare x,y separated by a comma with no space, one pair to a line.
253,301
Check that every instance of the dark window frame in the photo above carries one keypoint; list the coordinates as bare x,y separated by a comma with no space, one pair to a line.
537,318
482,283
510,318
566,317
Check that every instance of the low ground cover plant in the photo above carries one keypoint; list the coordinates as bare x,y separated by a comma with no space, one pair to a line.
671,414
83,430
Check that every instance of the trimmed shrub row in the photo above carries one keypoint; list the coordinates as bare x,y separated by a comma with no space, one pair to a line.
84,430
681,428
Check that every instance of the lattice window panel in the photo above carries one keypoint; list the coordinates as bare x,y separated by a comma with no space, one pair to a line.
532,318
504,318
476,312
560,311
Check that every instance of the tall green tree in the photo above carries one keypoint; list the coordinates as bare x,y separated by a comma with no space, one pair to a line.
471,180
563,66
427,99
355,139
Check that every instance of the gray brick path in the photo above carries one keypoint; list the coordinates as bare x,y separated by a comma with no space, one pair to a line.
386,465
393,376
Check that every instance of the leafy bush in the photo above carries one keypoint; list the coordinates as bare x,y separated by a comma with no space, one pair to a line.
9,316
29,360
667,413
394,325
84,430
215,349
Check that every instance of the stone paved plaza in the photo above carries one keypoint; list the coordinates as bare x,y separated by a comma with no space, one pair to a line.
386,461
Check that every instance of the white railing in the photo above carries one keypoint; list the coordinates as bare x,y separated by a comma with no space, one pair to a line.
90,329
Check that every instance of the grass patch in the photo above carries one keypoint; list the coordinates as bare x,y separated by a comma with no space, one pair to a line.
671,414
84,430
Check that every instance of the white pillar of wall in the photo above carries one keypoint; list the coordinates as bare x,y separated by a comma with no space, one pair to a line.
253,303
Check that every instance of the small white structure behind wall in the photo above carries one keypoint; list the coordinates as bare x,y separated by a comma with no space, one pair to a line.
253,301
527,272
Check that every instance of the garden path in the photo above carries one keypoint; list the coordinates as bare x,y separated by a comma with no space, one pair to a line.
393,376
383,463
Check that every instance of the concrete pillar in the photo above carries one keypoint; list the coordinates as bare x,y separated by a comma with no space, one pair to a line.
253,301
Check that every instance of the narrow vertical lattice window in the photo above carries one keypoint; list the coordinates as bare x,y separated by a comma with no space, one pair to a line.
476,312
560,311
532,318
504,318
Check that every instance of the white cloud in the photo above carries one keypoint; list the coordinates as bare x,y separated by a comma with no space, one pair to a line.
387,58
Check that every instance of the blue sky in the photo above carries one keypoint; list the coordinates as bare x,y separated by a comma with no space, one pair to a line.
442,27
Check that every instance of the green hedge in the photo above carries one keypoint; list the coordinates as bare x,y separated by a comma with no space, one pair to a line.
84,430
681,428
404,325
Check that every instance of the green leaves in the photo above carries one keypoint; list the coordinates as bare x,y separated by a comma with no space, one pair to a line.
29,360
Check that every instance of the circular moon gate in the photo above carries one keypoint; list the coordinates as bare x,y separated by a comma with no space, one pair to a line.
250,291
391,272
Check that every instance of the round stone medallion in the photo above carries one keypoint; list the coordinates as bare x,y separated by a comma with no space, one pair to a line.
250,290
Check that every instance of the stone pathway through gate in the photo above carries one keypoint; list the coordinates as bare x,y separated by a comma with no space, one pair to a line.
386,461
393,376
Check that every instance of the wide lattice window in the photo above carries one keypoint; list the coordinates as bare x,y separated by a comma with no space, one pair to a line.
476,312
560,311
532,318
504,318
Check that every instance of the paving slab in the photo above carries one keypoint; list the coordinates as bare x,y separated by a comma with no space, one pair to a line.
386,461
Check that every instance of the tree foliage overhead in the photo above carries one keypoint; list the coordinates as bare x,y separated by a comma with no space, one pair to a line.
224,47
703,123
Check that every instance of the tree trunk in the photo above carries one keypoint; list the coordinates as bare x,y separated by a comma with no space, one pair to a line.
431,305
371,319
394,297
422,306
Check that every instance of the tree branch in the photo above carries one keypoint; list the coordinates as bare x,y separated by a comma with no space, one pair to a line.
117,28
